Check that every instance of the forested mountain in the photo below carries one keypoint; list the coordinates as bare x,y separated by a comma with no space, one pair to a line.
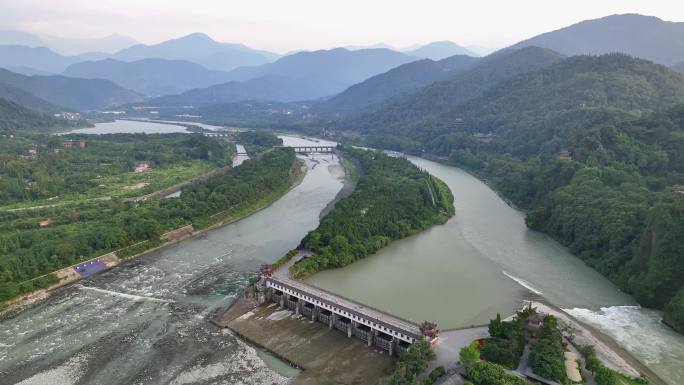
16,118
441,96
37,58
405,78
592,147
71,93
646,37
151,77
439,50
302,76
25,99
201,49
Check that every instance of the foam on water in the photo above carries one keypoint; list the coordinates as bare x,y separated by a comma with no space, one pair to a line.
523,283
640,331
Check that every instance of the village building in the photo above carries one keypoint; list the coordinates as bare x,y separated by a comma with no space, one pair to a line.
75,143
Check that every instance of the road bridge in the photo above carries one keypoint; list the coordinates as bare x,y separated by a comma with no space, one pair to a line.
373,326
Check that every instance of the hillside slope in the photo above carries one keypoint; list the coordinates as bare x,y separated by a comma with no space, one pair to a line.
646,37
394,82
439,97
15,118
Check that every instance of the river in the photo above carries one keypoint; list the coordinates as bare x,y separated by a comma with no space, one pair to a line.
485,260
143,322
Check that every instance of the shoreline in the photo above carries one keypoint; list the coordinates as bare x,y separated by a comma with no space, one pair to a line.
28,300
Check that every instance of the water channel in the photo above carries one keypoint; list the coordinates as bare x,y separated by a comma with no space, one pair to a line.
143,322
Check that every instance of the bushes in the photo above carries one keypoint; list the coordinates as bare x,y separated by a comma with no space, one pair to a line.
434,375
487,373
507,341
412,362
547,356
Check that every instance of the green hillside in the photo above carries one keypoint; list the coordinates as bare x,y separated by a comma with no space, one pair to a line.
16,118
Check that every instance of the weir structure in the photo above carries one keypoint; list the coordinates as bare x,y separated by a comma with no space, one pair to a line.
370,325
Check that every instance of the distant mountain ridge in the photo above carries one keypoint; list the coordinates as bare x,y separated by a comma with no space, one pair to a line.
646,37
399,80
151,77
439,50
71,93
201,49
301,76
36,58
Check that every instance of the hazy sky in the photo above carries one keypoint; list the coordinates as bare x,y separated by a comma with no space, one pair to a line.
284,25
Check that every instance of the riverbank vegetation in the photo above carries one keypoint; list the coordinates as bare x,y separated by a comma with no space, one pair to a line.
82,231
393,199
603,374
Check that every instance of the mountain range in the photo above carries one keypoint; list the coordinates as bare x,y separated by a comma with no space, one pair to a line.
67,46
646,37
201,49
301,76
151,77
69,93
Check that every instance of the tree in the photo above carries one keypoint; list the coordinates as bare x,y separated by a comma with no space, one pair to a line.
470,354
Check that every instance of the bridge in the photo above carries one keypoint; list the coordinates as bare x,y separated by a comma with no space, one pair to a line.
313,149
372,326
219,134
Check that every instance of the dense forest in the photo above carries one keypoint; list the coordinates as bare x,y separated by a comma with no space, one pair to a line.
592,147
89,229
393,199
39,167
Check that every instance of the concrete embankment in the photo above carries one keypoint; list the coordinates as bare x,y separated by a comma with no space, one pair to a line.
325,355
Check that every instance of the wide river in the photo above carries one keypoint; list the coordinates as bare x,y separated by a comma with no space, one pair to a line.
143,322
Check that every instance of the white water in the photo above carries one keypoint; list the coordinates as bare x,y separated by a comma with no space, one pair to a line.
523,283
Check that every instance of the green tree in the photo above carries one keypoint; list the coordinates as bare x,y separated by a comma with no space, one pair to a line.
470,354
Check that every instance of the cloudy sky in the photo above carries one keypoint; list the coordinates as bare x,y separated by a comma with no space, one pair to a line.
284,25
